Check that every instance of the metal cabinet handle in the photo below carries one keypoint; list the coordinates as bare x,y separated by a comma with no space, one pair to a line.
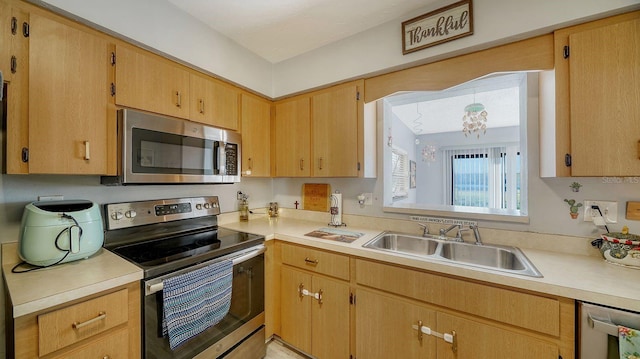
320,164
301,164
301,291
178,99
101,316
313,262
454,342
87,151
318,296
420,331
14,64
250,163
201,106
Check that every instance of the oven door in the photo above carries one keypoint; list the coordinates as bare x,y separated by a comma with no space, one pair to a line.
244,319
157,149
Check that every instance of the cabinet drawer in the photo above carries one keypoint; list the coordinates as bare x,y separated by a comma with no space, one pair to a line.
318,261
525,310
114,345
72,324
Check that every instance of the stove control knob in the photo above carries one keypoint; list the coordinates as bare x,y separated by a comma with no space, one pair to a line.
130,214
214,205
116,216
207,206
199,206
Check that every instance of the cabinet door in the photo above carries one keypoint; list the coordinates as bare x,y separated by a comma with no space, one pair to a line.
69,101
5,39
148,82
384,328
17,94
213,103
295,309
335,132
292,135
480,341
256,136
330,319
604,76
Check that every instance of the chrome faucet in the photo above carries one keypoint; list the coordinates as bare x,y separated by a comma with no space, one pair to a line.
444,231
476,233
425,229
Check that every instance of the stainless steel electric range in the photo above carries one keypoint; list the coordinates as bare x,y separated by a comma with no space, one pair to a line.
171,237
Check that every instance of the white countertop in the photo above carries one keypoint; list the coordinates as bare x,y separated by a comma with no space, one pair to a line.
580,277
44,288
586,278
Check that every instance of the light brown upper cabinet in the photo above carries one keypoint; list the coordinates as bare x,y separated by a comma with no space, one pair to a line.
335,118
292,135
72,124
256,136
597,98
14,64
326,133
149,82
213,102
5,39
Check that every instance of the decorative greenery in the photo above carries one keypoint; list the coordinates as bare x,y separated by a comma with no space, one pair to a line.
573,205
575,186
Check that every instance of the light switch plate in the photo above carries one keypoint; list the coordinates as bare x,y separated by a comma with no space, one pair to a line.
609,211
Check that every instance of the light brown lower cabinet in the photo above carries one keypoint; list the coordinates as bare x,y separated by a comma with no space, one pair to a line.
105,325
461,318
315,314
373,309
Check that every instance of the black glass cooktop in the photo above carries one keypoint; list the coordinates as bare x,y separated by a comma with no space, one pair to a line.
162,255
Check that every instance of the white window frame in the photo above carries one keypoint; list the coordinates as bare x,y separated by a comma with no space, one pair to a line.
399,173
498,195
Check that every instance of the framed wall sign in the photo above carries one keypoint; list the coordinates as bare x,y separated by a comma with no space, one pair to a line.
442,25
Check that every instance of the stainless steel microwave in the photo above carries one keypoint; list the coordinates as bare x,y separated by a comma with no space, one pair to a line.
155,149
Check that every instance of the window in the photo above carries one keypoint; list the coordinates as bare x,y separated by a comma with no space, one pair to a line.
483,177
399,173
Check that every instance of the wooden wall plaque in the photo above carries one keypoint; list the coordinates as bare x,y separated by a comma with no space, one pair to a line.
315,197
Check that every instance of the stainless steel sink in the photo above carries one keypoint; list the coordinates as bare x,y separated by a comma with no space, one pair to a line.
404,243
491,257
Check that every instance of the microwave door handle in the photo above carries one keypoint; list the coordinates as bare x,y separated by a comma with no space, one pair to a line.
222,158
602,326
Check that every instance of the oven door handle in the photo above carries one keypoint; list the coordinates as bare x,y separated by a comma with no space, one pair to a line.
156,287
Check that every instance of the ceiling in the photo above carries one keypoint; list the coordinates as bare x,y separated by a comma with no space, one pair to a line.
280,29
441,111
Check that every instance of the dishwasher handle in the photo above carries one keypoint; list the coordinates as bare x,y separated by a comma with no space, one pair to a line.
602,326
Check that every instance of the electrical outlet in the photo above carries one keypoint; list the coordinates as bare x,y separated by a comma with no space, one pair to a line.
609,211
51,198
368,199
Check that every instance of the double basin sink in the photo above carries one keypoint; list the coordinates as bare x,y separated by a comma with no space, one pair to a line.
491,257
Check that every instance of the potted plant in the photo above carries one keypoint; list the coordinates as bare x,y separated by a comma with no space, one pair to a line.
573,207
575,186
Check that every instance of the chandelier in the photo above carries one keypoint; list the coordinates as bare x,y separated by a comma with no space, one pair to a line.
429,153
474,119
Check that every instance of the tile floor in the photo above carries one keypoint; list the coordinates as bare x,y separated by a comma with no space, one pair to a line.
275,350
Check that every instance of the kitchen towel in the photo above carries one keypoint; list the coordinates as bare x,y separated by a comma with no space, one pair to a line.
195,301
629,343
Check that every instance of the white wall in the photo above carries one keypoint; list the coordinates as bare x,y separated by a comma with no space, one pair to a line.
160,25
378,49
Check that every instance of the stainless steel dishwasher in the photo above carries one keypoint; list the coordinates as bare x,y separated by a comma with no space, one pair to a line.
598,331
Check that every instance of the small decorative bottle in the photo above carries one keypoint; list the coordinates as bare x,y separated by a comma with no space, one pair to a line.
243,207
